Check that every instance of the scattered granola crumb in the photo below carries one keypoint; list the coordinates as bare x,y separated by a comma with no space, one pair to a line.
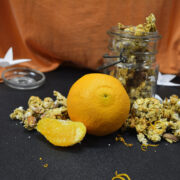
45,165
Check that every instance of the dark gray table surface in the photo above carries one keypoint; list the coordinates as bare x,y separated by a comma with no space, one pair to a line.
96,158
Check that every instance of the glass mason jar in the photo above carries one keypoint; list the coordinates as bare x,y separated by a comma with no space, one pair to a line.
137,70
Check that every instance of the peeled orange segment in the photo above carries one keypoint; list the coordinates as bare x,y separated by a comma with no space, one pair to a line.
61,132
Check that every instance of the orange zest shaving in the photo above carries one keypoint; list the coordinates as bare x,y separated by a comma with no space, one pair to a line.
120,138
121,176
144,146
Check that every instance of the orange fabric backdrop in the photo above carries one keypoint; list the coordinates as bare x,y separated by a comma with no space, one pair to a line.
50,32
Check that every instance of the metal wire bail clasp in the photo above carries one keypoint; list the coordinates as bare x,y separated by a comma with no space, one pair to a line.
122,59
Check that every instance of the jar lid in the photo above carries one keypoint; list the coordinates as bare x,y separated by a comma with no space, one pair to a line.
23,78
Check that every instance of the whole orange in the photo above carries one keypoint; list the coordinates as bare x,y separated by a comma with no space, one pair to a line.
100,102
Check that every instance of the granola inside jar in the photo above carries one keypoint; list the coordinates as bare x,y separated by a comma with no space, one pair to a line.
138,47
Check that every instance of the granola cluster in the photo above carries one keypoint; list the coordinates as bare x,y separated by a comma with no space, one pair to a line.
154,120
38,108
139,83
141,29
138,73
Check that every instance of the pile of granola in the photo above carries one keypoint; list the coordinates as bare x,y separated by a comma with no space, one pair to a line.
38,109
154,120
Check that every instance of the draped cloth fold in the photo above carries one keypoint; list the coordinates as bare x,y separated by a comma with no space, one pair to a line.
51,32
